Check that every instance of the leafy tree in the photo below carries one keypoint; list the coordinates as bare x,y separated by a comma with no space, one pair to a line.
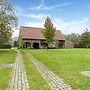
8,21
73,37
49,31
85,39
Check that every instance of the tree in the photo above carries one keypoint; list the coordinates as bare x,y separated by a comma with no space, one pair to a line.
8,21
20,42
73,37
49,31
85,39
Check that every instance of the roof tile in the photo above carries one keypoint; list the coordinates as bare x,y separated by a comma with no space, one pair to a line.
36,33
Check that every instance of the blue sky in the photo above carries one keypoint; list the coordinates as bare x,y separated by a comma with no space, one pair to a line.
69,16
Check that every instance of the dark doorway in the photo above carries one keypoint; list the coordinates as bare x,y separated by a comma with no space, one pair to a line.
62,43
36,45
27,45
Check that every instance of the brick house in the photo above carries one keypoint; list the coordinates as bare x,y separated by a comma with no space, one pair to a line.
32,37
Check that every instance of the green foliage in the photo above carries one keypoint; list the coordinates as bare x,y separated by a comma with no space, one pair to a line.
49,31
73,37
8,21
85,39
20,41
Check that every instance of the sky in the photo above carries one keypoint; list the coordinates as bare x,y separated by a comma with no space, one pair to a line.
69,16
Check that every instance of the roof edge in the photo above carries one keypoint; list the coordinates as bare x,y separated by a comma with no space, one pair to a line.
34,27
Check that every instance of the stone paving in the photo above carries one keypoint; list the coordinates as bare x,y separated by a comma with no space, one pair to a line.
55,81
86,73
6,65
18,77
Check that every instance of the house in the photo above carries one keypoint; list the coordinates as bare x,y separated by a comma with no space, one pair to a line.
32,37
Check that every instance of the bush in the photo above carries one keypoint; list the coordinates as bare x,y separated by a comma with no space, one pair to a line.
5,46
78,46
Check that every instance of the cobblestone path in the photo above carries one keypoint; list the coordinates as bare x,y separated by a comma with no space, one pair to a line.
18,77
55,81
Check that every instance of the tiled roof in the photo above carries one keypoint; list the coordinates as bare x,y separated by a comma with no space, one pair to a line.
36,33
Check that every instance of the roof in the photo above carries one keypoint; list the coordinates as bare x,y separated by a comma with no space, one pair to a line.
36,33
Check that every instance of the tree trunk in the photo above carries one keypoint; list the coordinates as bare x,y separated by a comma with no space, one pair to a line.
47,47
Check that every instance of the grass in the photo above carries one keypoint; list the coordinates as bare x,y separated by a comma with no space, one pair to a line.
68,64
6,57
4,78
36,82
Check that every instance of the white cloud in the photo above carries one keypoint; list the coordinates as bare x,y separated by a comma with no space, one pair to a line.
71,26
85,20
35,16
43,7
88,7
76,26
40,24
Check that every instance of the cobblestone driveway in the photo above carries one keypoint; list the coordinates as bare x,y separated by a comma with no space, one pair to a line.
18,77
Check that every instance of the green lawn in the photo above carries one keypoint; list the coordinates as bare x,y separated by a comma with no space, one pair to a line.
36,82
67,63
6,57
4,78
